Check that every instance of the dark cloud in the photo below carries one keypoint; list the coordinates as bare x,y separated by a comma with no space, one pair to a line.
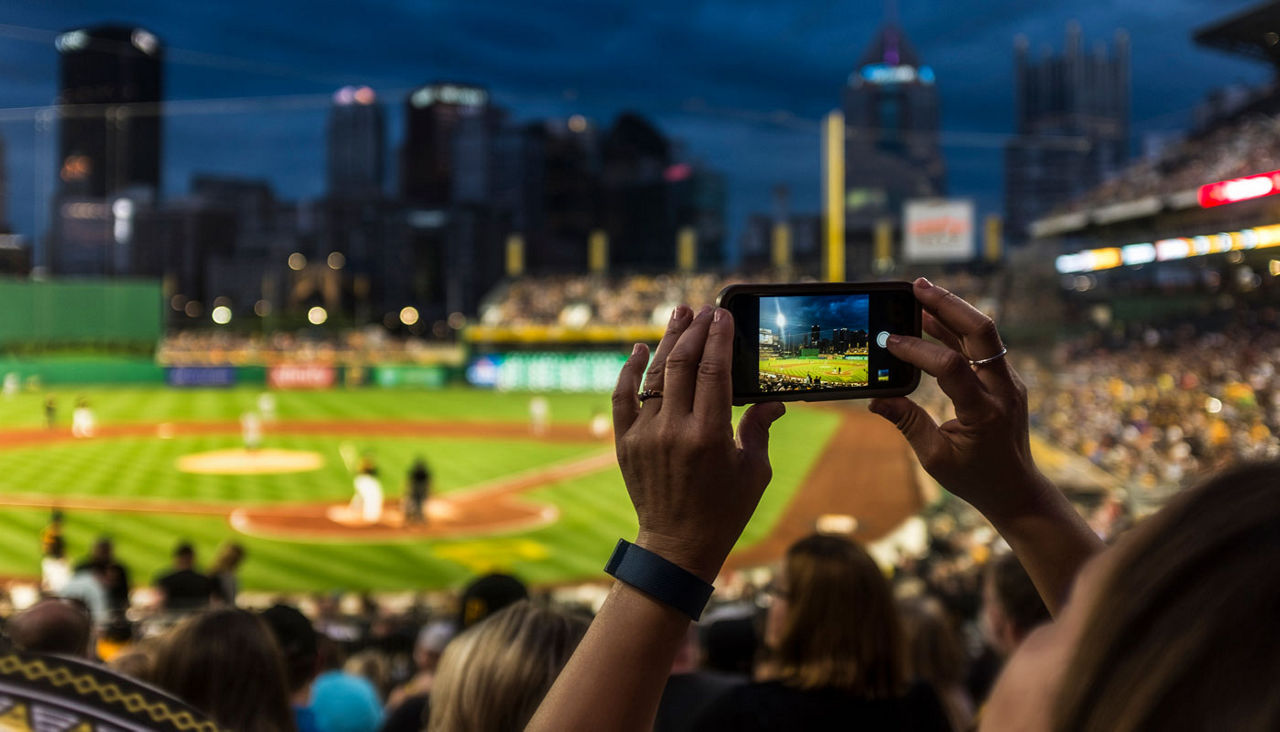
713,73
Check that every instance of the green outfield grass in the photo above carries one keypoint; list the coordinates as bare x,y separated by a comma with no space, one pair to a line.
852,372
594,509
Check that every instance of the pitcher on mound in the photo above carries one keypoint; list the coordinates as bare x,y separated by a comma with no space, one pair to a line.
367,502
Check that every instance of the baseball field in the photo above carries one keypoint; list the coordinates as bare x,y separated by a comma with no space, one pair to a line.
166,465
832,371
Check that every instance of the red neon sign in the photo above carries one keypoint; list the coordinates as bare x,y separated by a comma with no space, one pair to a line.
1239,189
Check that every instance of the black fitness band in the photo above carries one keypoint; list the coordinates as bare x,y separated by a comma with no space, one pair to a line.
658,578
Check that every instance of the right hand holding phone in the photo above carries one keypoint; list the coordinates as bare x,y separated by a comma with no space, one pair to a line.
984,454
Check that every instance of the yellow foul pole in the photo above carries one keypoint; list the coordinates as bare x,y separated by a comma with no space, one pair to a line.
833,198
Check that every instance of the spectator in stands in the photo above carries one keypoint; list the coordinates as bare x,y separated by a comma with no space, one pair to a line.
115,575
1168,629
935,656
297,639
61,627
493,676
1011,607
372,666
729,642
88,586
835,651
227,664
691,688
407,705
487,595
183,588
226,585
341,701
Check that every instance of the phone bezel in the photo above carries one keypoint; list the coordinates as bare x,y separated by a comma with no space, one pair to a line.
747,349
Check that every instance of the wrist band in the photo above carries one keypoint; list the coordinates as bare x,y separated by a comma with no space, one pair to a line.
658,578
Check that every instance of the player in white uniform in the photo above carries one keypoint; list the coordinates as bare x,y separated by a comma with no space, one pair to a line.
82,420
251,429
11,385
267,406
539,414
367,502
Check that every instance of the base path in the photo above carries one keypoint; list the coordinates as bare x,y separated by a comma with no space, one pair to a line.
866,471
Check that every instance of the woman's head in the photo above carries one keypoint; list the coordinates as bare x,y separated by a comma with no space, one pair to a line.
1169,629
227,664
228,559
834,623
492,677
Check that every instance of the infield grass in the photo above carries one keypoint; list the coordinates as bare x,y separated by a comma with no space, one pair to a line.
847,372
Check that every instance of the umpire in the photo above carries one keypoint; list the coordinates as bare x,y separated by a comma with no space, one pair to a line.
415,499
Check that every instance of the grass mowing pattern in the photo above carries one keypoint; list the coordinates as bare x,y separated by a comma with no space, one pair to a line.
851,372
594,509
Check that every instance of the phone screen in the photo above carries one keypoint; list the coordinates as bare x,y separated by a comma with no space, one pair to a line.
820,341
815,343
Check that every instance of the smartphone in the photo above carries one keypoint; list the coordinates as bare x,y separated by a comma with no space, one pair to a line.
821,341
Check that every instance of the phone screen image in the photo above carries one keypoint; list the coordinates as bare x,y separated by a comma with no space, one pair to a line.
820,341
814,343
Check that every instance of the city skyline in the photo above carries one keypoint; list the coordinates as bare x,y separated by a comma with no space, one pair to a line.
710,77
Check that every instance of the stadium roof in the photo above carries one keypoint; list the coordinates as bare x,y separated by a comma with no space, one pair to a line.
1254,32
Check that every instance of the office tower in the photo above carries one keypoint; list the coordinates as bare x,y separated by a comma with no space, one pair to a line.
1072,126
110,89
635,211
445,155
356,144
890,105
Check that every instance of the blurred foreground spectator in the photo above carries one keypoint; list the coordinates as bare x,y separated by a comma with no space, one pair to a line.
183,588
493,676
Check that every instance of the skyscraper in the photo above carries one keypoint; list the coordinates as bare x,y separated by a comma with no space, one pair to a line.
1072,126
635,201
356,144
110,89
447,140
890,104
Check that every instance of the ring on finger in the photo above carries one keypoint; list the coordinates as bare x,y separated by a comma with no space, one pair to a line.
648,394
989,359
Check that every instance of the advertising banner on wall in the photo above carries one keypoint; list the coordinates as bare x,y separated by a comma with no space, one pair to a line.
200,376
412,377
302,376
547,371
938,230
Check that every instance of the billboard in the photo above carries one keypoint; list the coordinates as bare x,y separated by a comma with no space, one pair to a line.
420,377
200,376
302,376
547,371
938,230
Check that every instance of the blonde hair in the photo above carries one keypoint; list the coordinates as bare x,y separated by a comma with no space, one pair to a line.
492,677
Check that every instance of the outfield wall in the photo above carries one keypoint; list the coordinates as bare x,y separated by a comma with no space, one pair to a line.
115,314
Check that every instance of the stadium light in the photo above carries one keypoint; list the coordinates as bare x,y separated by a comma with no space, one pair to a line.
1239,189
409,315
336,260
297,261
317,315
262,308
221,315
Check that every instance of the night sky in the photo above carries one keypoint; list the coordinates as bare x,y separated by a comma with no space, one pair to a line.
741,84
825,311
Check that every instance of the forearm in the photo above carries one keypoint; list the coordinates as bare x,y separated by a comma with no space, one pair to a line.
616,676
1049,538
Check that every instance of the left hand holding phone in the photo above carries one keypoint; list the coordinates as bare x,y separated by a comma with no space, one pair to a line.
694,487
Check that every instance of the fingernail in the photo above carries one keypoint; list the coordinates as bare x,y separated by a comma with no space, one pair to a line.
719,313
895,339
675,313
635,350
705,309
923,283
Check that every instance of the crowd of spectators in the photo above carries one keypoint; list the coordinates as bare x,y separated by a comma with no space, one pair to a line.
483,659
1159,406
1244,147
363,346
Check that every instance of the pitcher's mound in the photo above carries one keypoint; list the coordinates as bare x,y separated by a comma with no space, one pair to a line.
250,462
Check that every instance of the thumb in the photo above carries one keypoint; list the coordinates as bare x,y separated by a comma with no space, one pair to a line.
753,429
912,421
